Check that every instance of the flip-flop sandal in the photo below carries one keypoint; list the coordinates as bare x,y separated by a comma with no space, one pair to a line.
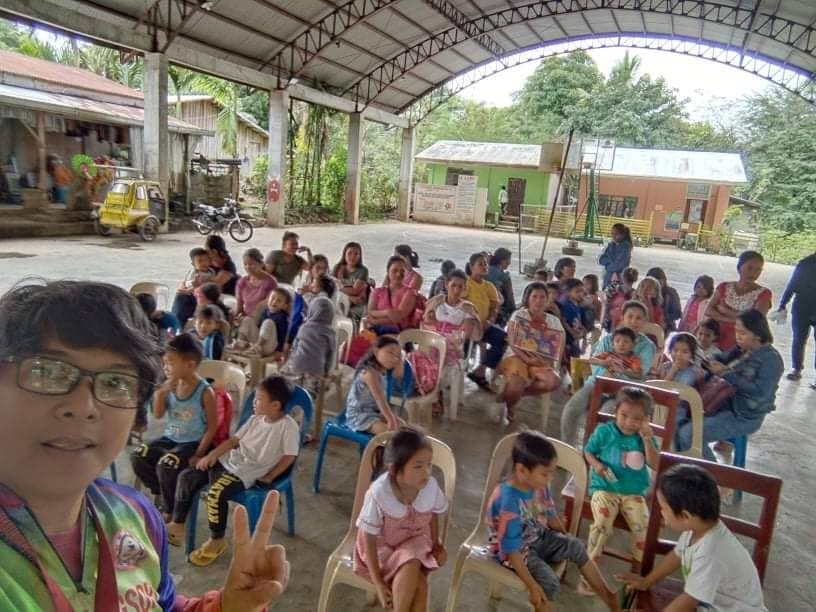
201,557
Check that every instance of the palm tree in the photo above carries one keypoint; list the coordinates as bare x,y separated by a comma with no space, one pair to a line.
225,95
626,70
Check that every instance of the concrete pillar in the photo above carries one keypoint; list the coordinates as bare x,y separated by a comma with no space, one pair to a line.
156,142
276,180
42,156
406,174
353,168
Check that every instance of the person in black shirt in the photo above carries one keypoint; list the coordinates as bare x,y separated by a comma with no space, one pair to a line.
802,288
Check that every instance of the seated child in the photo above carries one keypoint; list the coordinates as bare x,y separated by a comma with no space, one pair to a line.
708,332
592,301
96,376
398,526
267,339
318,282
525,533
209,294
617,294
261,450
622,358
618,452
165,323
681,368
206,331
694,311
553,291
570,306
441,281
719,573
184,304
453,317
367,407
320,285
191,422
315,346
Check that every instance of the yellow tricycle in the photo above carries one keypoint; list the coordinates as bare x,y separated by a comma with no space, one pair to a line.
132,205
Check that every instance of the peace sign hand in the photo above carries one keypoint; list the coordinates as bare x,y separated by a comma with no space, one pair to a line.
259,572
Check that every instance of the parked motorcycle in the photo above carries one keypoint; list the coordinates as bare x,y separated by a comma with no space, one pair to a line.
217,219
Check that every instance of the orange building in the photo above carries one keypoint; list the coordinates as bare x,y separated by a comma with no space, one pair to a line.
671,187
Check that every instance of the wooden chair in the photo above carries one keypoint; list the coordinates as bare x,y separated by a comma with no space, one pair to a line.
768,488
226,375
158,290
339,568
662,421
418,407
473,554
691,396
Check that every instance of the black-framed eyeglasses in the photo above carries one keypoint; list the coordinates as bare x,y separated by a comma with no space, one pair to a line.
49,376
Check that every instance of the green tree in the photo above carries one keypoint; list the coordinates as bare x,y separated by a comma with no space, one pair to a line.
225,95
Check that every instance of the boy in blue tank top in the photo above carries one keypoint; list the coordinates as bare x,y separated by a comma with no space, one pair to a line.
189,404
76,361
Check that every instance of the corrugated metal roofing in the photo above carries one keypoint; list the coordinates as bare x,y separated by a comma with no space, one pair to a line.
666,164
85,109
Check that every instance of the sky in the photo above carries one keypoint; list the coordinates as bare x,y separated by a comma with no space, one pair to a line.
697,79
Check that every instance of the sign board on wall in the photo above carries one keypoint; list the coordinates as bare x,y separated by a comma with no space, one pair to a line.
434,199
466,193
462,204
673,221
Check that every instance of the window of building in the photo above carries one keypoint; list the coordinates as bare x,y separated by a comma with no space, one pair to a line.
698,190
617,206
452,177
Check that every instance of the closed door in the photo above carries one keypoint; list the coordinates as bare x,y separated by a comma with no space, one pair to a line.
515,195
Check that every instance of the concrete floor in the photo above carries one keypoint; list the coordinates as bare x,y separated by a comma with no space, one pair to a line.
783,447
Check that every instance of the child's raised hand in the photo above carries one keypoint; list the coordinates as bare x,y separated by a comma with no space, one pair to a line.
259,572
384,595
646,430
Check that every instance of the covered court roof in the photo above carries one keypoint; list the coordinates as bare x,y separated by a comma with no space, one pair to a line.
388,54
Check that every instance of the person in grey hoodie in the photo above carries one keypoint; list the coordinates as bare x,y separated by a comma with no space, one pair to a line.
314,345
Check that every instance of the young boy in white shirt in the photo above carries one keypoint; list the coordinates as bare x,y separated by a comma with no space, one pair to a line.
719,573
261,451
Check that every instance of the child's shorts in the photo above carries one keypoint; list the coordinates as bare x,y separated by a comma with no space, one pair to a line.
553,547
515,366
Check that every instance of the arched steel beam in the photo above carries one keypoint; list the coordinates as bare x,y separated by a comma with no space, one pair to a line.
791,80
784,31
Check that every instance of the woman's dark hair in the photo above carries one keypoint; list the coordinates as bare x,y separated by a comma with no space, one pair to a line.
712,325
634,304
216,243
394,259
630,275
707,283
472,260
287,236
147,302
684,338
623,229
326,285
500,255
625,331
691,489
277,388
594,285
342,262
187,346
456,274
80,315
255,255
657,273
756,323
371,356
747,256
635,395
528,290
408,253
564,262
406,442
572,283
532,449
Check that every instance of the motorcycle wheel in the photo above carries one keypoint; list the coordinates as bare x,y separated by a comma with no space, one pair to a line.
241,230
101,228
149,229
202,225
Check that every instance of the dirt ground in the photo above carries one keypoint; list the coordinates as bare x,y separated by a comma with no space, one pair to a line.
782,447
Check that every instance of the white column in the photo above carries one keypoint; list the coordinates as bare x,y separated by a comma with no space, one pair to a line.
353,168
276,180
155,147
406,174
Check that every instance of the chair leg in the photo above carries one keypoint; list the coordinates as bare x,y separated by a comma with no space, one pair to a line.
318,408
192,520
546,403
456,581
456,385
740,456
326,587
290,509
321,450
113,473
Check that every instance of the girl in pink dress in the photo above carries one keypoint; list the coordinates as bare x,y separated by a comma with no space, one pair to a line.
732,298
694,312
398,541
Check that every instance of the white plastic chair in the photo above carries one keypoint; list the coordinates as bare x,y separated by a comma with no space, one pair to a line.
339,567
158,290
230,302
691,396
227,375
418,407
473,555
333,379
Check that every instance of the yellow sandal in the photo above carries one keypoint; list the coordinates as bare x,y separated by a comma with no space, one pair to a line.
201,557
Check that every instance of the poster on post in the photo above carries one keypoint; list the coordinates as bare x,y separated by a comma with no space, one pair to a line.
434,199
466,194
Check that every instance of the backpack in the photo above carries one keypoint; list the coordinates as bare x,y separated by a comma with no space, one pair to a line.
425,367
223,408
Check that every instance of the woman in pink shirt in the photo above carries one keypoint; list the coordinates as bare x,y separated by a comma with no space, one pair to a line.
255,287
391,307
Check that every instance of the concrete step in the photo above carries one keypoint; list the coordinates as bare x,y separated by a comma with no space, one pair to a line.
26,228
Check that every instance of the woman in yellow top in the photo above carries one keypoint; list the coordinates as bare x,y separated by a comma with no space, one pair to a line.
483,295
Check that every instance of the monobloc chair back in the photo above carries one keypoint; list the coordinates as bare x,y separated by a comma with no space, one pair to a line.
158,290
425,341
691,396
339,568
768,488
227,375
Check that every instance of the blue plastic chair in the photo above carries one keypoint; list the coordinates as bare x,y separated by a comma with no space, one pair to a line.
740,452
113,472
253,498
337,427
